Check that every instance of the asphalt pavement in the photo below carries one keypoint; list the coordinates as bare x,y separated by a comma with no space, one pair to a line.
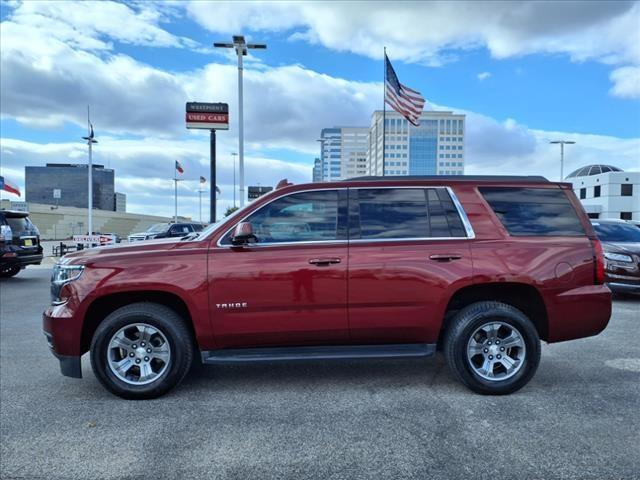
578,418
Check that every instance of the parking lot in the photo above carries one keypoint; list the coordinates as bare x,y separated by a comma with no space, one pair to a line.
578,418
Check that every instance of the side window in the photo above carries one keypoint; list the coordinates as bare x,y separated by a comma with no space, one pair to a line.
299,217
393,213
444,218
533,211
388,213
179,230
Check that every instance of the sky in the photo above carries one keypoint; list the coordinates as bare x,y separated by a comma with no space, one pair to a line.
524,73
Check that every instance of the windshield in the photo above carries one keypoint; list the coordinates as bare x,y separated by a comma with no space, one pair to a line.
158,227
617,232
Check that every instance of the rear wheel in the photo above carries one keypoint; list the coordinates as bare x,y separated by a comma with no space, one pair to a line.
492,348
9,270
141,351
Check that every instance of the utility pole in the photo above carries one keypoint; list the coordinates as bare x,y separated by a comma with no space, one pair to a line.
234,155
562,143
240,47
90,141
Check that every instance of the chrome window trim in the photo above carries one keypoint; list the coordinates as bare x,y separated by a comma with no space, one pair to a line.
462,214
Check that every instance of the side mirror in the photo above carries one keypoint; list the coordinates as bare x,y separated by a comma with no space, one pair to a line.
243,234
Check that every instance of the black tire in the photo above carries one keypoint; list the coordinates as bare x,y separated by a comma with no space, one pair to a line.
459,333
162,318
9,271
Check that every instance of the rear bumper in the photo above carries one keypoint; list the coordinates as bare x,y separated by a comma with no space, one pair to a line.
578,313
34,259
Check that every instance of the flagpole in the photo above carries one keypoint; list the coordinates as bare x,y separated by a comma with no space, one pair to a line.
200,202
384,109
175,194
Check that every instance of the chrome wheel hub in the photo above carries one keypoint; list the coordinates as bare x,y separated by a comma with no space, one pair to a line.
496,351
138,354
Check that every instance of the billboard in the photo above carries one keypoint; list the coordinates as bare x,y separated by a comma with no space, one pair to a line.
208,116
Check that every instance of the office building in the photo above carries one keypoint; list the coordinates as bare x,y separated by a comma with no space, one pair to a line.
343,153
317,170
607,192
435,147
70,182
120,202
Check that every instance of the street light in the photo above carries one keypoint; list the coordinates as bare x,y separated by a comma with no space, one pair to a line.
90,141
562,143
234,155
240,47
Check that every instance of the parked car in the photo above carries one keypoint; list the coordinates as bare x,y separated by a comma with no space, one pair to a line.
483,268
621,244
19,243
166,230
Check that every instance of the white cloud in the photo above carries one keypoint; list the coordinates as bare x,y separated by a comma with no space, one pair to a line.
483,76
48,79
144,169
626,82
605,31
92,24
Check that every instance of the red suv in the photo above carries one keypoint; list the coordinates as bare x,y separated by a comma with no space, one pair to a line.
481,267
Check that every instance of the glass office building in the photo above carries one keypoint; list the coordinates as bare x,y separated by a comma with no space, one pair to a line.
343,154
435,147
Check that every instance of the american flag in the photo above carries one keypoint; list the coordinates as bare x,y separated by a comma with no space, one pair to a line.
179,167
203,180
405,101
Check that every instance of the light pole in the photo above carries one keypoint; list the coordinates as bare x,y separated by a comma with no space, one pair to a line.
562,143
90,141
234,155
241,47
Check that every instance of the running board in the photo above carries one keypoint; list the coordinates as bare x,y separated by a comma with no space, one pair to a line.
269,354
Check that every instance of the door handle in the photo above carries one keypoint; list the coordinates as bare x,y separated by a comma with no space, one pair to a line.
445,257
324,261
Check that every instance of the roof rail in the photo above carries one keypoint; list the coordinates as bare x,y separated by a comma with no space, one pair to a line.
471,178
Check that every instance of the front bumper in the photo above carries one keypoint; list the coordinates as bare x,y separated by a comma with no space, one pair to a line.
63,337
618,287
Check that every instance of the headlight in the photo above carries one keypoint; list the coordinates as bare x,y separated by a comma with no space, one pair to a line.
618,257
63,274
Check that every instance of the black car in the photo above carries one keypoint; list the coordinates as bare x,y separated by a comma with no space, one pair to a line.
621,245
19,242
166,230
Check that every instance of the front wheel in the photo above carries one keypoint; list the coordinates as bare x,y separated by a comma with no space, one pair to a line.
492,348
141,351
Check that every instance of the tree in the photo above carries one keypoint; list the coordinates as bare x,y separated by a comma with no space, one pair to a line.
230,210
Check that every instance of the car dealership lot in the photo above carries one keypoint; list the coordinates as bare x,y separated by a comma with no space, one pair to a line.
578,417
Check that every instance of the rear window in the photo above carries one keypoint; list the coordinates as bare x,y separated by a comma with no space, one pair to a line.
19,224
403,213
533,211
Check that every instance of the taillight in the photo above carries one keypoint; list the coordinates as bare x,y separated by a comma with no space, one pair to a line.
599,262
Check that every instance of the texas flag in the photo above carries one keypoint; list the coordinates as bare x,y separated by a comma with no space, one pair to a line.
179,167
7,186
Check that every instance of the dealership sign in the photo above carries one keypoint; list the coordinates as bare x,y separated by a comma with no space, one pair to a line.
208,116
93,240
